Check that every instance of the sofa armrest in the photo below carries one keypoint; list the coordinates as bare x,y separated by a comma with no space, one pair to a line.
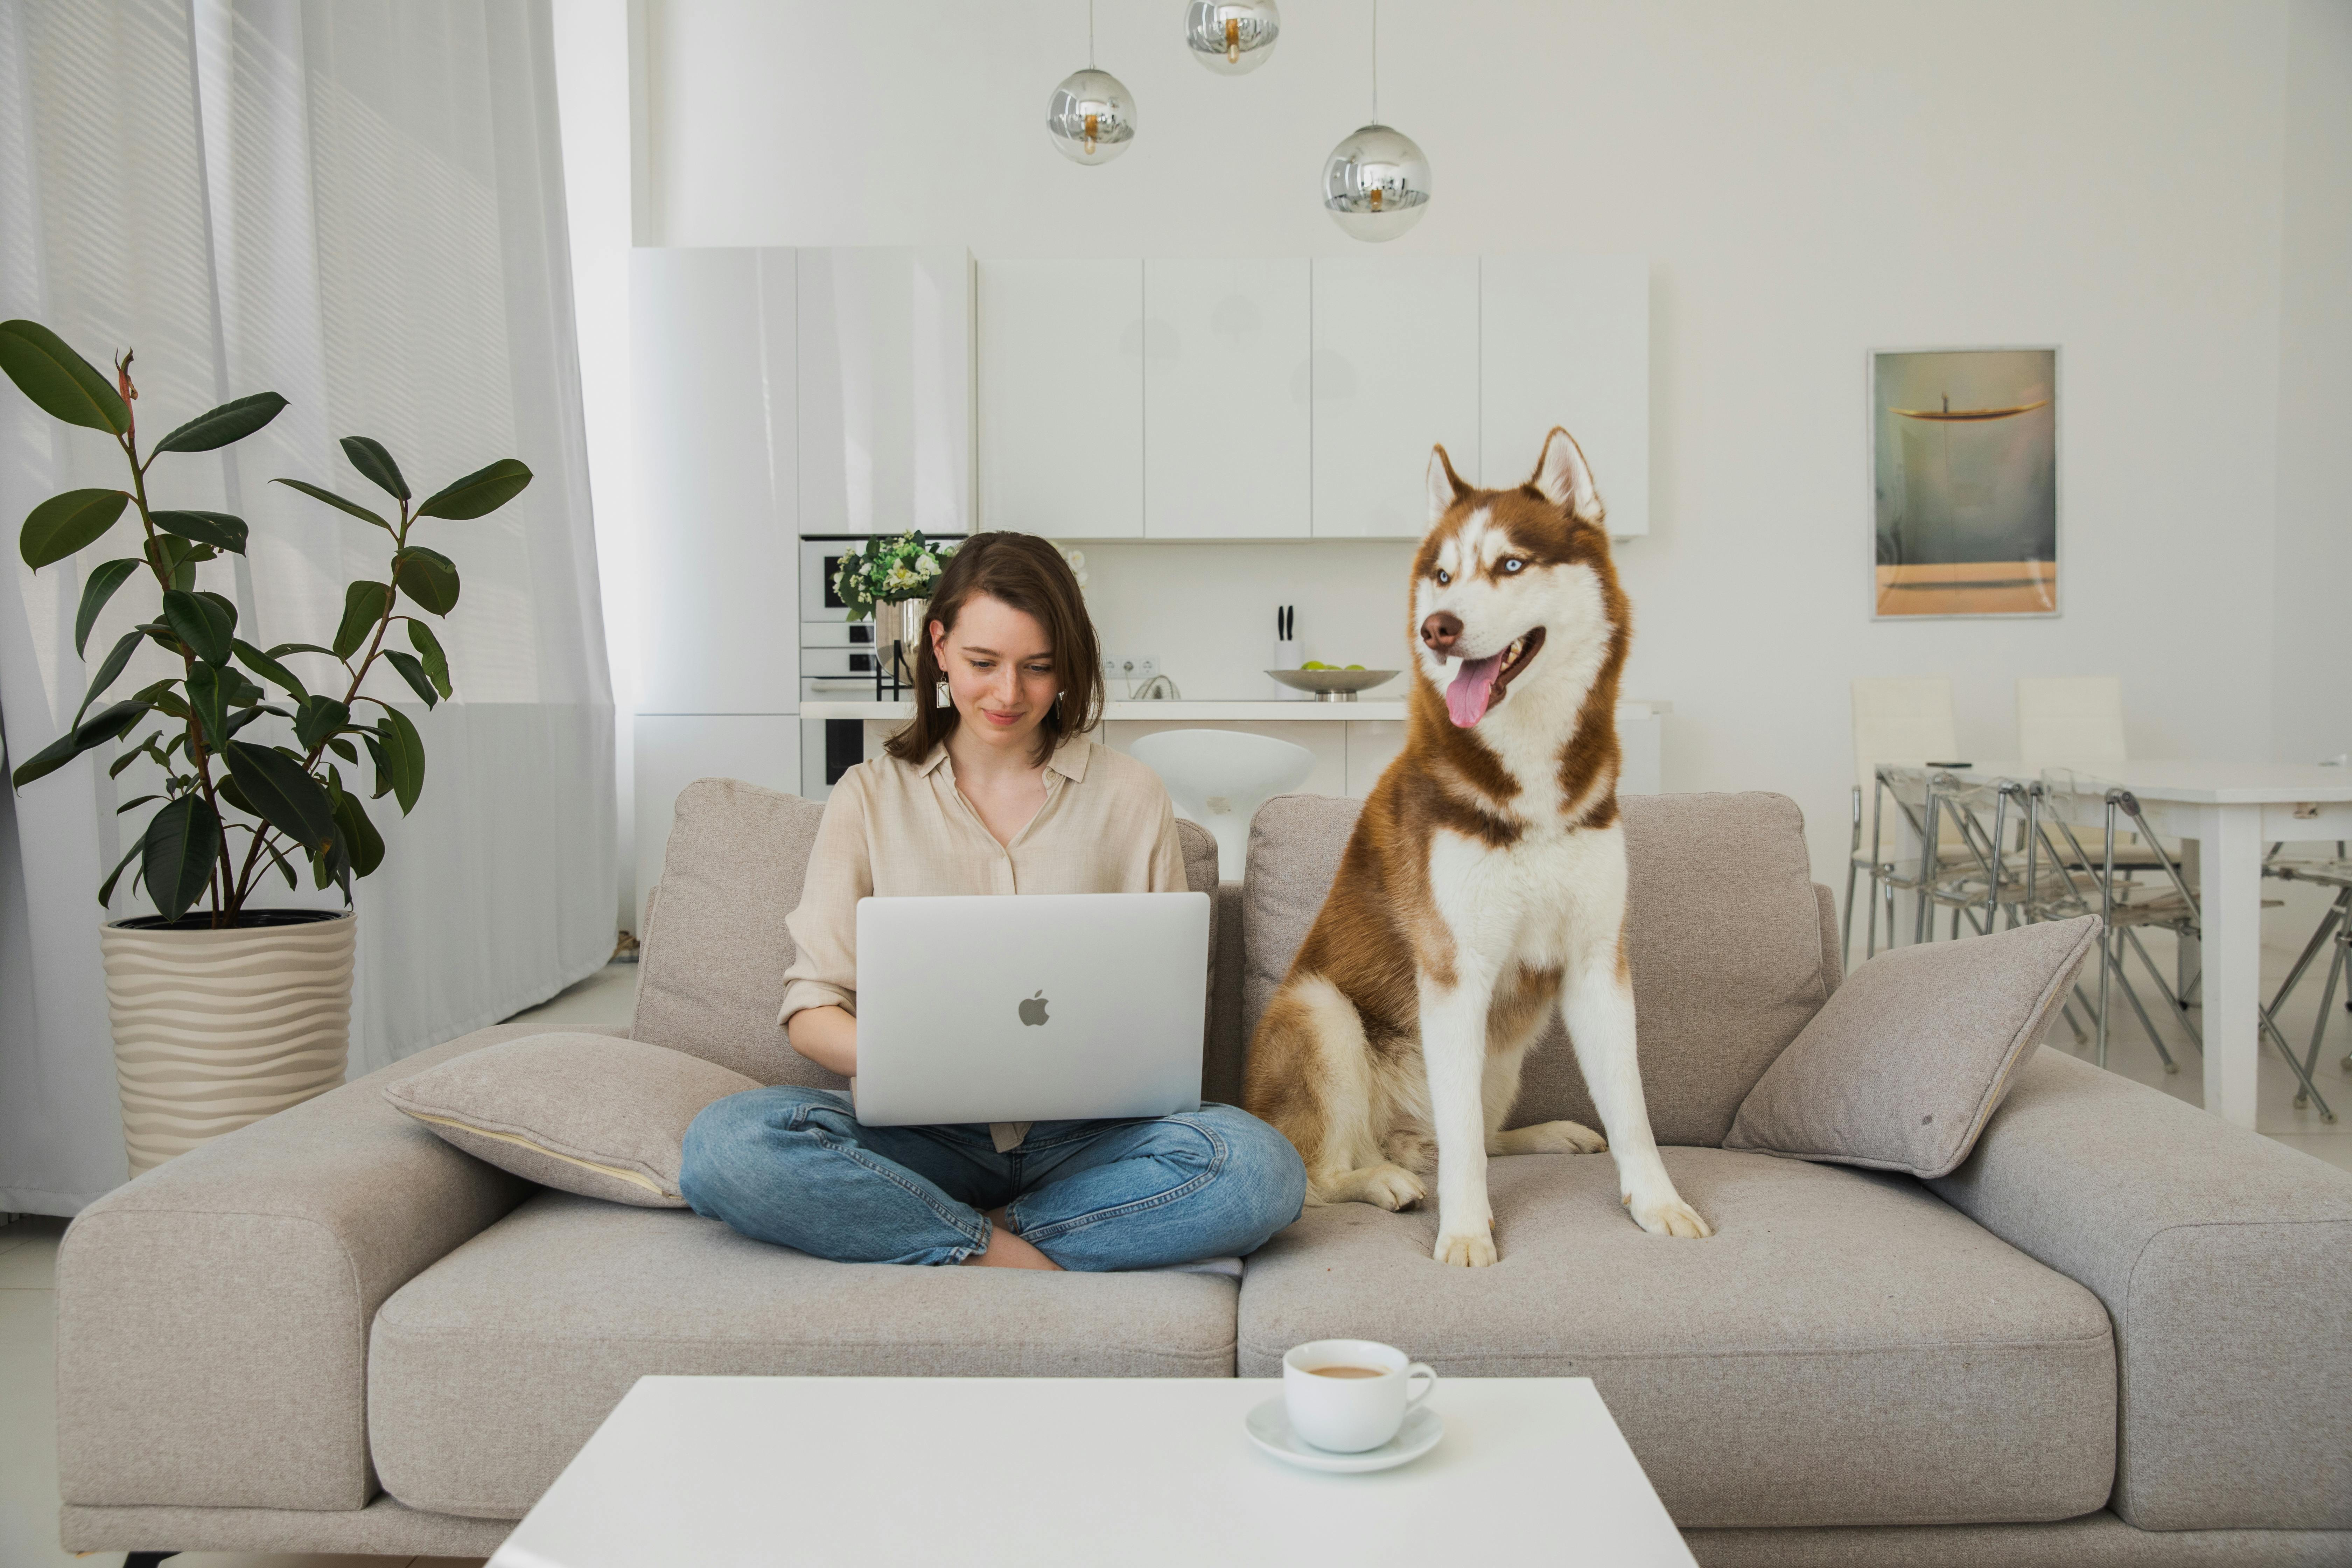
213,1315
2225,1263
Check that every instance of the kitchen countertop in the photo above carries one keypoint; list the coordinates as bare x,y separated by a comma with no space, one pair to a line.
1364,709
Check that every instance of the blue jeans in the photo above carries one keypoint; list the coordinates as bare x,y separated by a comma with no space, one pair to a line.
794,1167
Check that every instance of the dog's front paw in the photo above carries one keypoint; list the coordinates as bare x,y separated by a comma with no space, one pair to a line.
1549,1138
1668,1215
1392,1187
1465,1248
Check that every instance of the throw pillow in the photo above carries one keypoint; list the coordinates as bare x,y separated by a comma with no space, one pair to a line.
1903,1066
591,1114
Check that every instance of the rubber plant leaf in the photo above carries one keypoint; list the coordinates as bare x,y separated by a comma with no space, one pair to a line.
375,464
104,677
320,718
414,673
232,421
182,844
360,837
213,528
426,576
363,606
428,651
338,502
479,493
62,384
201,623
281,792
110,724
104,579
404,756
269,669
65,523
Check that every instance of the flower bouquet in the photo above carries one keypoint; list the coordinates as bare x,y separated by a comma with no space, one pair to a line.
887,571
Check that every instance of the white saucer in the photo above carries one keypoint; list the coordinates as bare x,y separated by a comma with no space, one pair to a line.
1269,1428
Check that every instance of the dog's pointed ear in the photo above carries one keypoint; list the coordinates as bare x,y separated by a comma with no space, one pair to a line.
1566,480
1445,486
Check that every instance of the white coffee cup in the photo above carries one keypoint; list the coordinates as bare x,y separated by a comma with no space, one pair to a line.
1348,1396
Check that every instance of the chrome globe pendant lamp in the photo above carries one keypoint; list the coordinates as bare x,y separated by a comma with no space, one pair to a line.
1376,181
1091,116
1232,37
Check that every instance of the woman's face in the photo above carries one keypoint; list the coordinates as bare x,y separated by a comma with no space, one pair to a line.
1000,668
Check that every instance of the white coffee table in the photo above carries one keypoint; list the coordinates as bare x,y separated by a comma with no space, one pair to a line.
716,1472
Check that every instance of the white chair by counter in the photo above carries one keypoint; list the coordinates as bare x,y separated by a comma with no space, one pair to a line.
1904,722
1219,778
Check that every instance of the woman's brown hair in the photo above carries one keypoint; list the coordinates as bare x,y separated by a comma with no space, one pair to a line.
1025,572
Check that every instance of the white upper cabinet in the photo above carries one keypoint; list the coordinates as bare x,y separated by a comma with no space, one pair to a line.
1061,398
1565,339
713,406
886,363
1396,370
1226,442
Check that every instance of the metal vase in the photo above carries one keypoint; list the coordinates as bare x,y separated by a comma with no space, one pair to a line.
906,623
213,1029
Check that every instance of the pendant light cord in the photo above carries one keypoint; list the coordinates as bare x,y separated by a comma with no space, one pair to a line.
1091,38
1376,60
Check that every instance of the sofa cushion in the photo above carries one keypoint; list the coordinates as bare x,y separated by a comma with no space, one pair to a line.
1905,1063
711,971
584,1114
487,1372
1846,1350
1723,931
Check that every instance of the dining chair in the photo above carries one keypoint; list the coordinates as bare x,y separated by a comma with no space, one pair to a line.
2076,722
1903,721
2334,935
2128,908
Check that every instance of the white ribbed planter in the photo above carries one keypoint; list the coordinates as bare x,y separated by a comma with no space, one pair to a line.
216,1028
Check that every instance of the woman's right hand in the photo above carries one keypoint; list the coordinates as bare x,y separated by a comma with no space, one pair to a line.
827,1036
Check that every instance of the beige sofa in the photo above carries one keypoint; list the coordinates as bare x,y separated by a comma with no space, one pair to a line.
2117,1335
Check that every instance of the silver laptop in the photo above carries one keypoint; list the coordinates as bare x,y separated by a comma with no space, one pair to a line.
1040,1007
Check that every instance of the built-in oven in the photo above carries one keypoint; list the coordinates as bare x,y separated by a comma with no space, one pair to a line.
837,663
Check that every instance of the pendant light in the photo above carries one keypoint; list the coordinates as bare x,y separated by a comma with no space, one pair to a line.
1376,181
1090,115
1232,37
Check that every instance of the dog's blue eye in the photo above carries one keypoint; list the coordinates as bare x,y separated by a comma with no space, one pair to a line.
1513,565
1444,578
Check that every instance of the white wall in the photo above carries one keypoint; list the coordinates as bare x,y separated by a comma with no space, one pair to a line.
1810,179
2313,717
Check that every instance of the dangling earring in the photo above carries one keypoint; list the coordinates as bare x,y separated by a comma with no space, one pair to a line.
939,698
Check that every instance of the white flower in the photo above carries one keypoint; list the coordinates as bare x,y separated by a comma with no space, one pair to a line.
924,565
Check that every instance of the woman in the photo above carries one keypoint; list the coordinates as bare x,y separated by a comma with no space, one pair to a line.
991,788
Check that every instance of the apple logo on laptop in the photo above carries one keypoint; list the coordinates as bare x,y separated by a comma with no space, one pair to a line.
1033,1011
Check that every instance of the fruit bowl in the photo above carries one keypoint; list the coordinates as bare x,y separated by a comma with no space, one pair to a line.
1333,685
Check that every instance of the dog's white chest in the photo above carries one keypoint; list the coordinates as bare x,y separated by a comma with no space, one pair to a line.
1543,901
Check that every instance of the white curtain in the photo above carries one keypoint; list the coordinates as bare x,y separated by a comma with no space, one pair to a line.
358,204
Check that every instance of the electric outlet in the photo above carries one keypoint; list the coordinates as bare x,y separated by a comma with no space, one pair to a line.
1130,666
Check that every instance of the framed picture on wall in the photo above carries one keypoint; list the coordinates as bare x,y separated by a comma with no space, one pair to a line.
1964,478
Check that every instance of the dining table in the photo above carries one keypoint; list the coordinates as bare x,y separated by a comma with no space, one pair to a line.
2232,812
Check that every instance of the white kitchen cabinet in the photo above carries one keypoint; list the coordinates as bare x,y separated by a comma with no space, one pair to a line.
1061,398
1226,432
711,345
673,750
1565,339
886,369
1396,371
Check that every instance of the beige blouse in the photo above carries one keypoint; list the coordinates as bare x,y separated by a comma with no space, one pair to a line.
896,829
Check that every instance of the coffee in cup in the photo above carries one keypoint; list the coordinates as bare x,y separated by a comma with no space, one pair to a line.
1348,1396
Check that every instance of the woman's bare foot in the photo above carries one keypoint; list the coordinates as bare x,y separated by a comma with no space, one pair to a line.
1006,1250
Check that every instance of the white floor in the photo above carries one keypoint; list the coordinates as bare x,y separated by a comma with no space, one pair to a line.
28,1473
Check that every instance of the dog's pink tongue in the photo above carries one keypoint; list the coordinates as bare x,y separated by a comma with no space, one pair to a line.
1465,699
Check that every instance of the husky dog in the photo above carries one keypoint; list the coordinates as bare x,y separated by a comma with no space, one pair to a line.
1484,883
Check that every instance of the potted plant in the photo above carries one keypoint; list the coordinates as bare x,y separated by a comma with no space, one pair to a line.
890,580
225,1011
